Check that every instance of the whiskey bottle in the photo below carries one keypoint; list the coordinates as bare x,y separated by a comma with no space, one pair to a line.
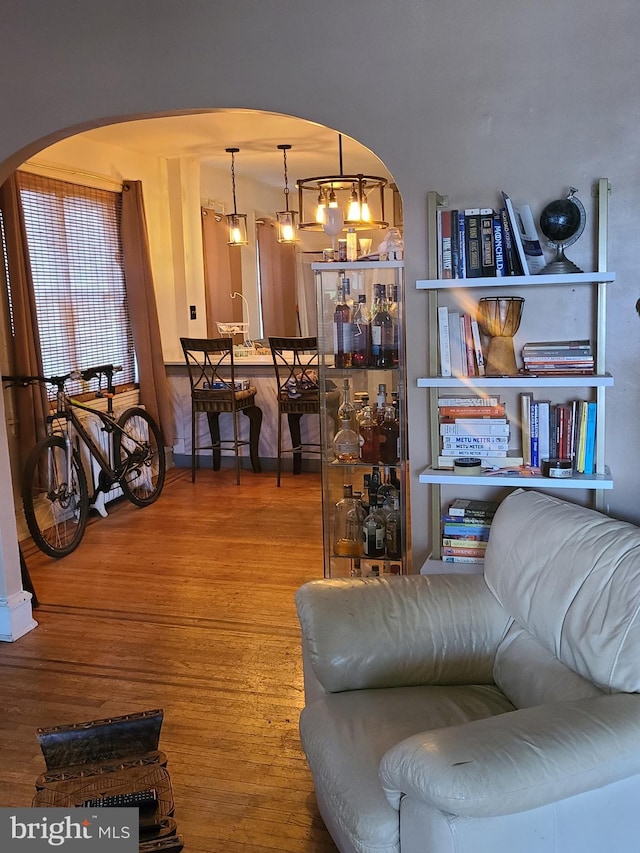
388,434
348,541
369,443
346,444
374,532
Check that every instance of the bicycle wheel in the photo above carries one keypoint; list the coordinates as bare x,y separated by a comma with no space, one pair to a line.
56,508
139,453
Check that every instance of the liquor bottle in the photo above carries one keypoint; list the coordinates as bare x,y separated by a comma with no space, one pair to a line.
388,491
361,328
356,568
369,438
352,244
374,483
374,532
346,444
381,402
348,541
382,332
393,539
346,410
394,310
342,331
388,437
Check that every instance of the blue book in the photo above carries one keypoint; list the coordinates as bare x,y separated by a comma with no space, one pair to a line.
466,529
533,427
590,442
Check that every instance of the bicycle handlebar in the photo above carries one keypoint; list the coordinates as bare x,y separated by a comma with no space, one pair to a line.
90,373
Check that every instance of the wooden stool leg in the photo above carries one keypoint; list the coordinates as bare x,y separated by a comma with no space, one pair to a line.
294,430
214,431
254,413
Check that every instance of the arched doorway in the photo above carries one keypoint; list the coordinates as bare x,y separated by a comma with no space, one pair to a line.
179,158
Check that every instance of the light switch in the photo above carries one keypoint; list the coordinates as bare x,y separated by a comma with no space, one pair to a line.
192,311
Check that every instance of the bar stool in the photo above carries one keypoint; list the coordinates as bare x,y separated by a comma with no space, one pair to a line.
213,391
296,365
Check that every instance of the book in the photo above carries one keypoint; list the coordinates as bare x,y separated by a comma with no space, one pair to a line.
462,552
481,442
468,344
489,462
557,347
476,400
472,508
466,452
526,237
458,529
462,236
533,432
590,440
472,411
445,256
525,426
476,427
470,540
581,436
511,259
530,239
443,333
487,243
473,242
449,559
455,344
455,245
498,244
543,429
477,344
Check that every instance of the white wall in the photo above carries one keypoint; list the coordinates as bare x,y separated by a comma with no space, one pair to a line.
466,97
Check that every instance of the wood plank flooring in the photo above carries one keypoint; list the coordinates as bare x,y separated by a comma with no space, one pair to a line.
186,605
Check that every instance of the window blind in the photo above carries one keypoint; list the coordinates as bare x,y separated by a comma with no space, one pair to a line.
75,254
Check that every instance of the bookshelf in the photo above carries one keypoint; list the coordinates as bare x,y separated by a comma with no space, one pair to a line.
585,285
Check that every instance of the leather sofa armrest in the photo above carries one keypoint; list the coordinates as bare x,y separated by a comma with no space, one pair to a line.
519,760
401,631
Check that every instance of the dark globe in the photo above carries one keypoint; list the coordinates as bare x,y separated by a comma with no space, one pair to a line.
560,220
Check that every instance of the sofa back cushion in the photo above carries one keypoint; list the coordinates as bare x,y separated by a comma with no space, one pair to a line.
570,577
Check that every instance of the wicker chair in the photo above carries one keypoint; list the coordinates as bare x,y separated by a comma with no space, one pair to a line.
212,377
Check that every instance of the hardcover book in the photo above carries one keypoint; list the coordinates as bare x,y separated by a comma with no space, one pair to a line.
473,250
526,237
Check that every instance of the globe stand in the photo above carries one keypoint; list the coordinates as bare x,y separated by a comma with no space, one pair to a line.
560,264
499,318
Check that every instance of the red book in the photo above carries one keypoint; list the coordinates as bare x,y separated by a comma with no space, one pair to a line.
472,411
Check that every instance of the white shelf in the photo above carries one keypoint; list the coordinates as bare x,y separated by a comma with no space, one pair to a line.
515,280
523,481
565,381
338,266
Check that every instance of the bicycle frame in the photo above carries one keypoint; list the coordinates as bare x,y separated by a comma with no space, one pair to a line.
65,411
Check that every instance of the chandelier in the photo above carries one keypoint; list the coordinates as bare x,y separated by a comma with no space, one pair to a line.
361,198
236,222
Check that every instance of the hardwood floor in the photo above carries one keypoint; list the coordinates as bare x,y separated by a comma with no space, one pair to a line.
186,605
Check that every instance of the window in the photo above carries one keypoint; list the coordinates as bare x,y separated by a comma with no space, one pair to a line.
75,254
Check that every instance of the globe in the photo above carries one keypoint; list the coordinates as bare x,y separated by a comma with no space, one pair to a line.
560,220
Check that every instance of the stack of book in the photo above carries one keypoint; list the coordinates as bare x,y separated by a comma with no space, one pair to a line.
474,426
465,530
483,241
460,344
559,431
548,358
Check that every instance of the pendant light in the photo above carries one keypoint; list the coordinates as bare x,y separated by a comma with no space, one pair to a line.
350,192
286,218
236,222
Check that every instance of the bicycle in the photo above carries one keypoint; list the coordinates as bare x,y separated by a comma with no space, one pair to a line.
55,492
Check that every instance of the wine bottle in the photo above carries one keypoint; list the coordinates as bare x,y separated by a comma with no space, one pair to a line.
342,330
369,438
374,532
382,332
388,436
393,539
361,328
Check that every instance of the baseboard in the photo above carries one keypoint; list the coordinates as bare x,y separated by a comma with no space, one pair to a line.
16,618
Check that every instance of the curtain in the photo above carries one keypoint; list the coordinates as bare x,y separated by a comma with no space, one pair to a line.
277,283
30,404
222,273
154,391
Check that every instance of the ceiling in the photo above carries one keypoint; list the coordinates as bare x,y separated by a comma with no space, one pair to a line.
315,149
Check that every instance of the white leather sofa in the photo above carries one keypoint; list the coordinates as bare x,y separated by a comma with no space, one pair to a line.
494,713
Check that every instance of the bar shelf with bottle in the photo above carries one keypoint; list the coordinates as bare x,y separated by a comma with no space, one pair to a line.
361,349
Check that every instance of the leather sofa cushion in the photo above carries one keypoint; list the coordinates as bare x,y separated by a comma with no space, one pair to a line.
529,674
345,736
571,577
